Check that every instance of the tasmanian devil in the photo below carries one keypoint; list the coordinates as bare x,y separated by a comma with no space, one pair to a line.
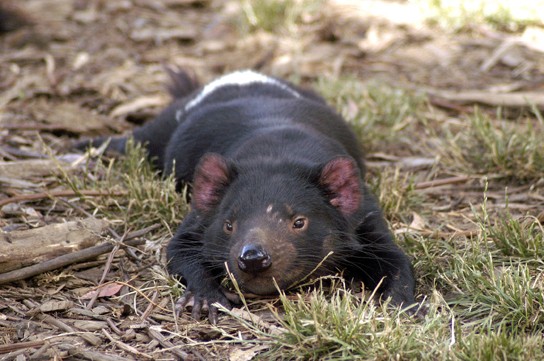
277,191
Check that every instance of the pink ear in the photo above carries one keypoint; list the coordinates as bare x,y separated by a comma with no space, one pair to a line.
340,176
211,177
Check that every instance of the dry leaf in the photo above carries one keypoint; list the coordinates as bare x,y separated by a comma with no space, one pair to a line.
418,222
106,290
245,354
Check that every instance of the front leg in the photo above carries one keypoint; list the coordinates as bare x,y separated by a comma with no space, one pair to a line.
378,258
185,259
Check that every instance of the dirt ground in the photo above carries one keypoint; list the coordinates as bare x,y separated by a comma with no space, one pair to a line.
86,68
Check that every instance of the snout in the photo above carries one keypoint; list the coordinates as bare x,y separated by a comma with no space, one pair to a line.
263,260
254,258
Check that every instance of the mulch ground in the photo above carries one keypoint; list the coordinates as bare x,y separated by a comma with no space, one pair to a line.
85,68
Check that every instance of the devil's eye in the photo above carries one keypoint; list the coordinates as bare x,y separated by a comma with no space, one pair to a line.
228,227
299,223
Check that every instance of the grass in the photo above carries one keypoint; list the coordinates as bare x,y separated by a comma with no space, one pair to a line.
499,346
379,114
501,274
287,16
277,16
149,198
521,237
335,324
510,149
396,194
462,15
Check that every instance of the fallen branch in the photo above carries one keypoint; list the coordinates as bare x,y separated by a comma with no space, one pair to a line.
21,248
71,258
64,193
447,104
518,99
441,182
32,168
33,126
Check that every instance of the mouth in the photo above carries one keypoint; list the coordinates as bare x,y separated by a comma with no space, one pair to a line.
268,282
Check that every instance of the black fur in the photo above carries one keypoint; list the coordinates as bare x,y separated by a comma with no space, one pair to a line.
11,17
274,171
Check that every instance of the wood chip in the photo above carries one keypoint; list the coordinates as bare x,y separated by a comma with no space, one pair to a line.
160,35
54,305
89,325
95,355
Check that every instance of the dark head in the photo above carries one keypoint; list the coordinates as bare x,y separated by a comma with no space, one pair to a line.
275,223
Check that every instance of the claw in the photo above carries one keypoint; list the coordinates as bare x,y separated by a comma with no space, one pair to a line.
184,301
205,307
212,315
199,304
195,313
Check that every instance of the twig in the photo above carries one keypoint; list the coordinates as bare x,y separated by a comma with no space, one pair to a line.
64,193
441,182
150,306
126,347
444,103
498,54
142,231
94,355
113,326
87,336
167,344
106,269
33,126
19,346
39,354
90,338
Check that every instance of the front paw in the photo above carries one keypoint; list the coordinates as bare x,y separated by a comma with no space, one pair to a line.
402,295
203,301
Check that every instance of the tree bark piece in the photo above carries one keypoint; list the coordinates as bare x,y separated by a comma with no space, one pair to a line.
62,193
24,169
75,257
22,248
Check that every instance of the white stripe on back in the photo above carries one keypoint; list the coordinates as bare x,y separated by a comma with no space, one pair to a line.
240,78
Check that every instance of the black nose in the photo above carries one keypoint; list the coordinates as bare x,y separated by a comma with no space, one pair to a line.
253,258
